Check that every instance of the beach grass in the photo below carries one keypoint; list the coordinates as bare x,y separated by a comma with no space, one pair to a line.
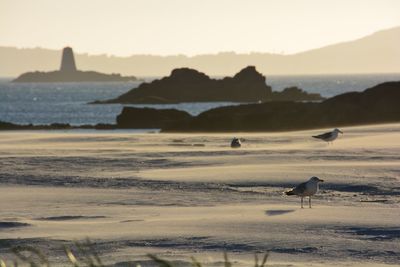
82,254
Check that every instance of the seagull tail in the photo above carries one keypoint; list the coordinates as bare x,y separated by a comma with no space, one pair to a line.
316,136
289,193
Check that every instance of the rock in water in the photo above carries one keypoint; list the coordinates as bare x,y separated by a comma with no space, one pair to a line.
236,143
189,85
150,118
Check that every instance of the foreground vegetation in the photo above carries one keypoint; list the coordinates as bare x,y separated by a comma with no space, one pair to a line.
83,254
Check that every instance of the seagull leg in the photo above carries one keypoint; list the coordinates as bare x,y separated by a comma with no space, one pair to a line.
301,202
309,202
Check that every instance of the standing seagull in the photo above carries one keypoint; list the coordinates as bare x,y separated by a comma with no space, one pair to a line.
306,189
329,136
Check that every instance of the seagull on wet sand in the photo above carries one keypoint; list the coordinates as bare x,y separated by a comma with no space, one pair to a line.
306,189
329,136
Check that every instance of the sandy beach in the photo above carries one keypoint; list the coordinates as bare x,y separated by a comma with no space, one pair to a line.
183,195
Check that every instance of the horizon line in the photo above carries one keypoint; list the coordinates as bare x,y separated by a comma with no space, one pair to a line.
268,75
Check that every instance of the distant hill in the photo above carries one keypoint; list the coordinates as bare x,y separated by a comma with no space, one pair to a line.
376,53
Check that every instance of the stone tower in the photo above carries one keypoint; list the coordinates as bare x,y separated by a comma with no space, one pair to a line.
68,61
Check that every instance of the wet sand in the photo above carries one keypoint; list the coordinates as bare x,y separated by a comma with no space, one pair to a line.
182,195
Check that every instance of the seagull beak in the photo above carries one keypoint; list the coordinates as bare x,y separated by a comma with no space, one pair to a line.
340,132
321,180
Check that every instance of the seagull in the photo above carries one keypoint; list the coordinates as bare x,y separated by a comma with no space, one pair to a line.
306,189
329,136
236,143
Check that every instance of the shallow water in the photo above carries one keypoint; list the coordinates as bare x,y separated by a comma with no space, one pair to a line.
46,103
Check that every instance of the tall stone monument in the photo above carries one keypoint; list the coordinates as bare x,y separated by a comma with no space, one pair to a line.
68,61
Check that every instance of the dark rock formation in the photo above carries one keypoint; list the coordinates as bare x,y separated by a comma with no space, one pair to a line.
148,118
295,94
69,73
188,85
235,143
130,118
6,126
379,104
53,126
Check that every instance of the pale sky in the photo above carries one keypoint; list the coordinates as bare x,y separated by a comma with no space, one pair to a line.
167,27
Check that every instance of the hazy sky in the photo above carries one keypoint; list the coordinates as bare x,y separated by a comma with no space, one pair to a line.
124,27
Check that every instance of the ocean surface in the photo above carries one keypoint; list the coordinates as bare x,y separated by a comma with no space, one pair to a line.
45,103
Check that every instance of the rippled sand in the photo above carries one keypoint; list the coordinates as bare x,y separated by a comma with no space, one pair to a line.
179,195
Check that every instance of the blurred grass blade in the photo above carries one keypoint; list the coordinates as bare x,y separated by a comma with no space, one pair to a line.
195,262
160,262
18,251
71,257
93,252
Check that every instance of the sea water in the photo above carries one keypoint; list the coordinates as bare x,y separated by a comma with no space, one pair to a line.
45,103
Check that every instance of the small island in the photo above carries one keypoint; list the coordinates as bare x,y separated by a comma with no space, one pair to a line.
189,85
69,73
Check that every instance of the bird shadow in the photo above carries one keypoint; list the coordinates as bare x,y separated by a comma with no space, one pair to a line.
277,212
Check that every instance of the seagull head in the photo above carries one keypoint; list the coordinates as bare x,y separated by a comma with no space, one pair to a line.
315,179
337,131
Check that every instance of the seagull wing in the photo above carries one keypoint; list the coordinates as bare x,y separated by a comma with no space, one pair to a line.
323,136
298,190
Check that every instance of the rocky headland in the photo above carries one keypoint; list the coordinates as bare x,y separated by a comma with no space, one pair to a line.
379,104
